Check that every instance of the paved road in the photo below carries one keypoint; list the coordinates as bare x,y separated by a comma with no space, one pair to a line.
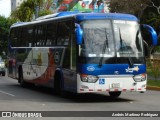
15,98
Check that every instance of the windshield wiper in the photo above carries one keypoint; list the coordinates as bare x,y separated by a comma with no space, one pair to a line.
104,49
123,47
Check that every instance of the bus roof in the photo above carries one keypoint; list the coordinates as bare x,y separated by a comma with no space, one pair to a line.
114,16
80,17
84,16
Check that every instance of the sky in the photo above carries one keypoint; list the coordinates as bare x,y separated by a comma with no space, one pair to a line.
5,7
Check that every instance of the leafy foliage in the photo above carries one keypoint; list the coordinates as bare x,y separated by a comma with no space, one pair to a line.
135,7
3,33
5,24
151,16
27,10
44,12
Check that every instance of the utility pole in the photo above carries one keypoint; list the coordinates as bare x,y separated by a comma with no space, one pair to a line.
37,11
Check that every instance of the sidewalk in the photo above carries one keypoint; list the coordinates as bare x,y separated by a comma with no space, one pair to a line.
153,88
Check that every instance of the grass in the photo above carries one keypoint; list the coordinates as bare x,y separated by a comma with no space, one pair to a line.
153,83
149,72
153,72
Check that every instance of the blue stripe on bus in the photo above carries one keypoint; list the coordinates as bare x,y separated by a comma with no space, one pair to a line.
113,16
111,69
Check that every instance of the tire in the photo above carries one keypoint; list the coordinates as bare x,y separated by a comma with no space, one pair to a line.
115,94
20,78
3,74
58,85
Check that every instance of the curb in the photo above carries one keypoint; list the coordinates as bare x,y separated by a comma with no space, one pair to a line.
153,88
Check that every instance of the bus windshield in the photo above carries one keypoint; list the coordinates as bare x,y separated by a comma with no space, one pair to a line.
128,39
98,39
111,40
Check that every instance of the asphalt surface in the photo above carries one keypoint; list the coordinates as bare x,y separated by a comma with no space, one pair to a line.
15,98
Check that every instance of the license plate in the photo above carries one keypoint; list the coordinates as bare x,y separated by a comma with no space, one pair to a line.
115,85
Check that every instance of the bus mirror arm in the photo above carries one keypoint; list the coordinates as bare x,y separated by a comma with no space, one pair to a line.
153,34
146,49
79,34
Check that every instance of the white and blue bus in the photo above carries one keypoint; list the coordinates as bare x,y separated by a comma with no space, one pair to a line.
80,52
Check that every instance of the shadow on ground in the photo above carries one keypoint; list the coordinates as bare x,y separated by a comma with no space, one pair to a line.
70,97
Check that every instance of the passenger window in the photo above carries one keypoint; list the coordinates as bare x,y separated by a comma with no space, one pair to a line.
64,33
51,34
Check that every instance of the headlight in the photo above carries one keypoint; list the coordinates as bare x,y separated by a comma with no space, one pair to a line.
88,78
139,78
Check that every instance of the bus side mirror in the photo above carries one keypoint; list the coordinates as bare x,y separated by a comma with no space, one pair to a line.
153,34
79,34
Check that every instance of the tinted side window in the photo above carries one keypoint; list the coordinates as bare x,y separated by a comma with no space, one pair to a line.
64,33
40,35
23,41
15,37
51,34
26,37
66,38
29,37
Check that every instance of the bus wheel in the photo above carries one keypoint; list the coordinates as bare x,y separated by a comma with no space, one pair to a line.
115,94
58,86
20,78
3,74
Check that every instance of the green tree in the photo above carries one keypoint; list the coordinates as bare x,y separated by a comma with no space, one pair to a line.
3,34
135,7
27,10
5,24
39,3
151,15
44,12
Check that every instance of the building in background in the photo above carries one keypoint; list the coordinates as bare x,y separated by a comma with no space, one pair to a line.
70,5
15,4
77,5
